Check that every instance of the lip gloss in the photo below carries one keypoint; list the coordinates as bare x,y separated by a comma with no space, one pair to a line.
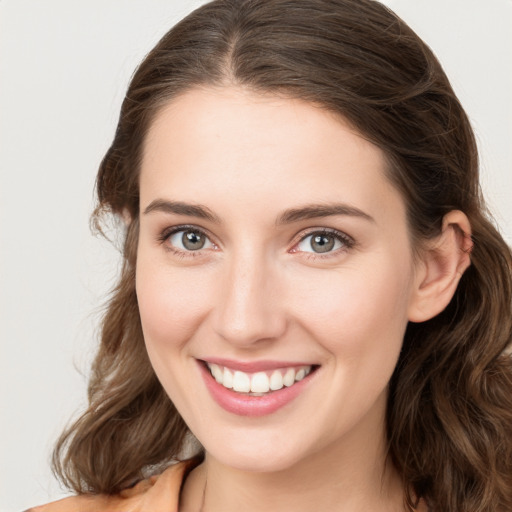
247,405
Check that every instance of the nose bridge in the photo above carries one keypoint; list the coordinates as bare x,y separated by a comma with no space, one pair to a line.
248,308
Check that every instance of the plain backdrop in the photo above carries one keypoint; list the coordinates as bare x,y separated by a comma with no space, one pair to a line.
64,67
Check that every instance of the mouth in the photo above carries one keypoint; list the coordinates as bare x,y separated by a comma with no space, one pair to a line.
255,389
259,383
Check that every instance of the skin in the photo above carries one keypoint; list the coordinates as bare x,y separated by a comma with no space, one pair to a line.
258,291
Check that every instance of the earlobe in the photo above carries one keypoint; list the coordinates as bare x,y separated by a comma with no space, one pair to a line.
442,264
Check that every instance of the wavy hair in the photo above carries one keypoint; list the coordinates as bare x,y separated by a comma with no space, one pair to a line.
449,417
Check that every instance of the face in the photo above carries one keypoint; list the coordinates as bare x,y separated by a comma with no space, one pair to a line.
274,276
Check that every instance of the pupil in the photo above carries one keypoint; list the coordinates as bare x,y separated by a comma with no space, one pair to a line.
322,243
192,240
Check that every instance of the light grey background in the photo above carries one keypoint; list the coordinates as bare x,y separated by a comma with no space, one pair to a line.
64,67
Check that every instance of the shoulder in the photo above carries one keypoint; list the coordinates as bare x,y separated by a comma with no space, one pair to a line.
159,493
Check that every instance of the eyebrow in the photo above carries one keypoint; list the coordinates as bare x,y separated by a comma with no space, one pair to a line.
179,208
313,211
310,211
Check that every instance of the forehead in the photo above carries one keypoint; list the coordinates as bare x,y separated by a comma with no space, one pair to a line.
214,144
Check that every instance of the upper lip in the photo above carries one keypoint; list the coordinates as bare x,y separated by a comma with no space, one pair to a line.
253,366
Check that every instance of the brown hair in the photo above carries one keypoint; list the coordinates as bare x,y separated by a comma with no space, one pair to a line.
449,418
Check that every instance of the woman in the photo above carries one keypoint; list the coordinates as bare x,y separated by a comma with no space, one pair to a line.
311,287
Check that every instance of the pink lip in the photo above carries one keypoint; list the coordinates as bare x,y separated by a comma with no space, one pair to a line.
247,405
253,366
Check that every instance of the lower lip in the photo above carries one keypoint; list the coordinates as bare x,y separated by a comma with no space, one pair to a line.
247,405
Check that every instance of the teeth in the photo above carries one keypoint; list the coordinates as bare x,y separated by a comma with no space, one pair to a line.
216,372
227,379
276,381
241,382
289,377
260,382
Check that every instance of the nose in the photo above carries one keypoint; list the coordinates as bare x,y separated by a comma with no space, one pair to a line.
249,308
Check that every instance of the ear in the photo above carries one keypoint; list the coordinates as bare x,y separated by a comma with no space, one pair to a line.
441,265
126,217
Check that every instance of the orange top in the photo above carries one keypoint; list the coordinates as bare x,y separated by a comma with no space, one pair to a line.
158,493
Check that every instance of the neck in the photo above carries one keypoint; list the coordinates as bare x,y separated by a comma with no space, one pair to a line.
316,488
352,475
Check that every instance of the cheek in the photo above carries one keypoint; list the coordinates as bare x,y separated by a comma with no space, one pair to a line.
171,308
359,319
171,304
357,310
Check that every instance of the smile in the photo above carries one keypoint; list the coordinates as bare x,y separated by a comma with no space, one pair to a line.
255,389
259,383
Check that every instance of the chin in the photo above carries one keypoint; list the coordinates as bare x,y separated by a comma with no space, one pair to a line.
257,463
251,455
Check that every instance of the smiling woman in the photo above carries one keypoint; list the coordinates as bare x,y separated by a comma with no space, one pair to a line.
285,289
311,288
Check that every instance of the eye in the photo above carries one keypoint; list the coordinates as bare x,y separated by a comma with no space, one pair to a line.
324,242
189,239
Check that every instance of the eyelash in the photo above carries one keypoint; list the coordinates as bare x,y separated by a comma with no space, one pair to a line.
346,241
